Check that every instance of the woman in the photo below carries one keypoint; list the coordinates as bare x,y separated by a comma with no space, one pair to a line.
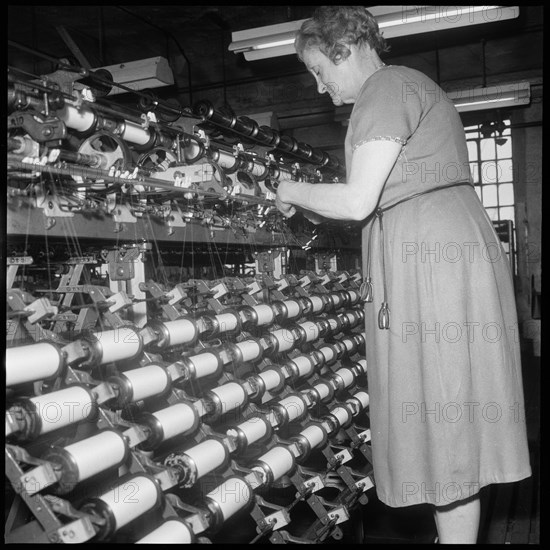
447,411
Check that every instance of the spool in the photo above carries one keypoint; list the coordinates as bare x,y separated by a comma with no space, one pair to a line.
304,151
311,329
40,361
172,531
355,297
347,377
294,405
350,344
294,309
137,384
118,344
359,338
207,456
362,364
265,313
329,353
126,502
304,366
272,379
227,499
287,144
249,350
205,109
284,339
268,136
353,319
228,397
175,333
324,390
81,120
258,169
204,364
134,133
340,349
58,409
246,126
317,304
228,322
363,398
276,463
315,435
193,151
251,431
337,300
334,324
178,419
227,161
342,414
86,458
317,156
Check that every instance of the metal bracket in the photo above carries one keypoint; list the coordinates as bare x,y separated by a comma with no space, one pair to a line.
278,519
343,456
80,530
339,514
365,484
38,478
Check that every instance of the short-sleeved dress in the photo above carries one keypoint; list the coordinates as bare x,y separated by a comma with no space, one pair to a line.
446,394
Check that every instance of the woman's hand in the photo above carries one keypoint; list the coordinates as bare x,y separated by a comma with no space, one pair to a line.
287,209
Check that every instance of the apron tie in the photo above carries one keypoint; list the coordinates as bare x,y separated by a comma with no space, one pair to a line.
384,313
366,289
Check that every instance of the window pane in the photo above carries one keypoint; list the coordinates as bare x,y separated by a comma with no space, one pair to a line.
490,195
472,150
487,149
474,170
507,213
504,150
492,173
489,172
505,170
492,213
506,194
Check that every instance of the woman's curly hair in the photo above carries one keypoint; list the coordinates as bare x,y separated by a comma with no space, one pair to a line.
333,28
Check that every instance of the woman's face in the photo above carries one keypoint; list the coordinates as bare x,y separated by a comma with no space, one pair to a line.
337,80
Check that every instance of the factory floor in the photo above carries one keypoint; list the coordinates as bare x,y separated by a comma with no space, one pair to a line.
510,513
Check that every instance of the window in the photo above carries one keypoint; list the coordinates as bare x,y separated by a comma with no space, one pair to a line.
490,157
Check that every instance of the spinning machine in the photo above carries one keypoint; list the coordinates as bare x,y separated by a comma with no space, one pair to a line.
183,364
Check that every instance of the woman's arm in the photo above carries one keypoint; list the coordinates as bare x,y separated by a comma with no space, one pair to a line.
371,165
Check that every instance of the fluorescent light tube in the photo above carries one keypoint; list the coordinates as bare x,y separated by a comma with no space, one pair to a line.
394,21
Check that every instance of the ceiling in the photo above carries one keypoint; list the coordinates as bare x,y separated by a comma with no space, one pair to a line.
195,41
109,34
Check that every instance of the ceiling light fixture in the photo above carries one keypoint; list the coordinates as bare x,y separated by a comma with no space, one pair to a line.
394,21
397,21
470,99
265,42
491,97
